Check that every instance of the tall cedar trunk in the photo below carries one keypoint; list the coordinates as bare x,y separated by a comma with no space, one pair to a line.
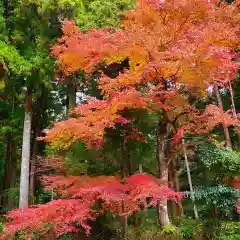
163,132
26,145
225,129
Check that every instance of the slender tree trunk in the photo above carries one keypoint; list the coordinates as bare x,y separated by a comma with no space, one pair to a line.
26,145
163,132
171,185
72,96
225,128
177,189
190,181
234,111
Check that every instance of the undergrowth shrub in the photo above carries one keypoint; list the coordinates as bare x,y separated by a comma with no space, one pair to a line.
153,232
230,231
191,229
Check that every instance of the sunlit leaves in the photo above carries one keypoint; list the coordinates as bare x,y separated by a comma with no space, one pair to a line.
13,60
173,48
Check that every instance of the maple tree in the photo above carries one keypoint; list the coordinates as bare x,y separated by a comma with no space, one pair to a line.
175,51
64,215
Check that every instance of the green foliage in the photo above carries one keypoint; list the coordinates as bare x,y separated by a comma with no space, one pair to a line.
230,231
220,197
67,236
153,232
100,13
211,228
222,162
13,60
87,13
190,228
1,225
168,229
78,158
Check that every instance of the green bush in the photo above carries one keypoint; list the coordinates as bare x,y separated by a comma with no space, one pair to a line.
191,229
230,231
154,232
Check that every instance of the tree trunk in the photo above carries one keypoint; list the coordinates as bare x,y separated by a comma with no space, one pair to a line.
234,111
163,132
171,185
24,178
177,188
190,181
225,129
72,96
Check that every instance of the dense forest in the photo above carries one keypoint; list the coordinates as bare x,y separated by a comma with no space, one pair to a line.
120,119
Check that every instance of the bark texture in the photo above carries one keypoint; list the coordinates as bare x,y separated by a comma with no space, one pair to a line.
26,145
163,132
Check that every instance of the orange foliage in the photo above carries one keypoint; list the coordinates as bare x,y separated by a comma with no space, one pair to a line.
94,118
175,49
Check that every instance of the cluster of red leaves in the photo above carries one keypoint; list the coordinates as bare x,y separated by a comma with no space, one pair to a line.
142,186
62,216
118,197
77,50
111,190
214,116
205,122
134,134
